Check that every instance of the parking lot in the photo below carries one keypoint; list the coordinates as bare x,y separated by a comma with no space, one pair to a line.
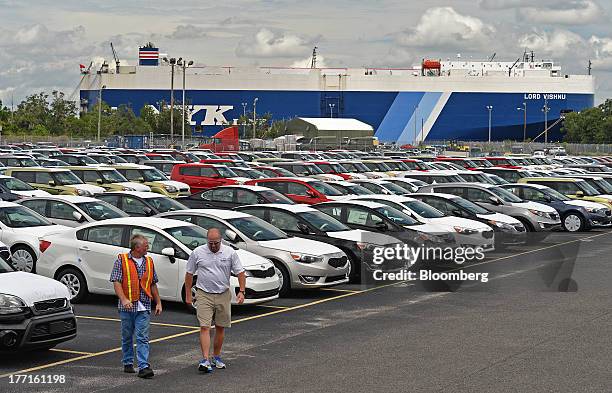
514,332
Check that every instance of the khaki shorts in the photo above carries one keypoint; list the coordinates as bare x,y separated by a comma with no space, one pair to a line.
215,307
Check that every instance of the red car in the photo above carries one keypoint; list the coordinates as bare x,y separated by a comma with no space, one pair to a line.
201,177
504,162
300,190
224,161
274,171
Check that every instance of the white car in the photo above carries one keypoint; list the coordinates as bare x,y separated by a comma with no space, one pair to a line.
35,311
20,229
10,185
82,258
72,210
466,232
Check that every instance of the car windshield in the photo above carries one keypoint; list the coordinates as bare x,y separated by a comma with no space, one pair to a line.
272,196
257,229
153,174
323,222
496,179
587,189
470,206
602,186
99,210
396,216
284,172
555,195
21,217
313,169
324,189
15,184
397,166
190,236
394,188
119,160
28,162
102,159
165,204
112,176
356,189
191,156
423,209
338,168
64,178
505,195
88,160
356,167
5,267
225,172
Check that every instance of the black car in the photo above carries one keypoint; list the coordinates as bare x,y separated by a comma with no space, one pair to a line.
141,204
306,222
228,197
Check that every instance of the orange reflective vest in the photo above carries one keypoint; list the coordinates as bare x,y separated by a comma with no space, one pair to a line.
131,283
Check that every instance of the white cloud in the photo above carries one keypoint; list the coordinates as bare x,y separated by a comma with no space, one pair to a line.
267,43
556,42
602,48
445,28
509,4
574,13
306,62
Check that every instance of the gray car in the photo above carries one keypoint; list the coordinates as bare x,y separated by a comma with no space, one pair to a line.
299,263
534,216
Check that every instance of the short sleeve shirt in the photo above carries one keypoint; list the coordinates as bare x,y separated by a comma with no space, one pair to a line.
214,269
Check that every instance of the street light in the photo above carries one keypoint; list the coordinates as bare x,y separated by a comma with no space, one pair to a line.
100,109
184,64
416,107
254,119
524,109
172,62
244,105
331,110
490,109
545,109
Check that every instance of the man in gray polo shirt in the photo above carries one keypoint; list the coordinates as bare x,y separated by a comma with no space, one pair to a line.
213,264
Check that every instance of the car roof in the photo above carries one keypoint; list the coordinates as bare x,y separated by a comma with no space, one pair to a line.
65,198
563,179
129,165
434,194
152,221
90,167
340,183
390,198
7,204
359,202
462,184
220,213
532,185
140,194
39,169
297,208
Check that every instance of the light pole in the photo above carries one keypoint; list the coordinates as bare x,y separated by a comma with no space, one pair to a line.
184,64
254,120
172,62
524,109
244,104
416,107
545,109
331,110
100,109
490,109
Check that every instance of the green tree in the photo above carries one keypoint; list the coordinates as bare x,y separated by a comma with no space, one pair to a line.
593,125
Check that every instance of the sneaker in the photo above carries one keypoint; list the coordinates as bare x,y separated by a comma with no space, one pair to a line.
205,366
128,368
145,373
217,362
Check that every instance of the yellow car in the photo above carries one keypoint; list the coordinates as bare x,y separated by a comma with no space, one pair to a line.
106,177
153,178
56,181
572,188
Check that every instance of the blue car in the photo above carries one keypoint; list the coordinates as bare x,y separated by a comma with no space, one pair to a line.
576,215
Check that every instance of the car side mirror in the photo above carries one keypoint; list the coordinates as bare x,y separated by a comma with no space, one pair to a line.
311,194
52,183
78,216
303,228
169,252
579,194
148,211
495,200
215,176
547,198
231,235
381,226
140,180
457,213
99,181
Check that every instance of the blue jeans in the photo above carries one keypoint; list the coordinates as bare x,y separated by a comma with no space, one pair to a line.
138,323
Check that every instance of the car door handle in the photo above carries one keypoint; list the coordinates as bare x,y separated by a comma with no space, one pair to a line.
84,248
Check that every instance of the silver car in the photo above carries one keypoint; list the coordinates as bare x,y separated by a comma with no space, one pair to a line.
534,216
299,263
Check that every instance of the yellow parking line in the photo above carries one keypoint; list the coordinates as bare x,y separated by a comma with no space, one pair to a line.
279,311
70,351
152,323
338,290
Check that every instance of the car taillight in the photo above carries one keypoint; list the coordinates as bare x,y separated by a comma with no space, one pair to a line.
43,245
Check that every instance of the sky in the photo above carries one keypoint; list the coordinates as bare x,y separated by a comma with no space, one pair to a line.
43,42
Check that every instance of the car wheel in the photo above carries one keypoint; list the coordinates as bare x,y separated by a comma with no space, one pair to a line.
23,259
76,284
284,279
573,222
526,224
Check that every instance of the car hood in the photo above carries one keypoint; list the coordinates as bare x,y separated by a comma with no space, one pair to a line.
177,184
135,186
338,197
41,230
499,217
430,228
32,288
357,176
327,176
296,244
88,187
452,222
248,259
358,235
240,180
535,206
581,203
32,193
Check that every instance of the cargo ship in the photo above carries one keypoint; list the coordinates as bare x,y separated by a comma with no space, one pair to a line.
435,101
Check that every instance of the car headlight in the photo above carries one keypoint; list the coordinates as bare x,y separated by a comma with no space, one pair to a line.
83,192
503,225
126,188
426,237
10,304
539,213
305,258
170,188
247,273
363,246
465,231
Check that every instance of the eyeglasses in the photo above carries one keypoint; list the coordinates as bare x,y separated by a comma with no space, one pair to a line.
214,243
